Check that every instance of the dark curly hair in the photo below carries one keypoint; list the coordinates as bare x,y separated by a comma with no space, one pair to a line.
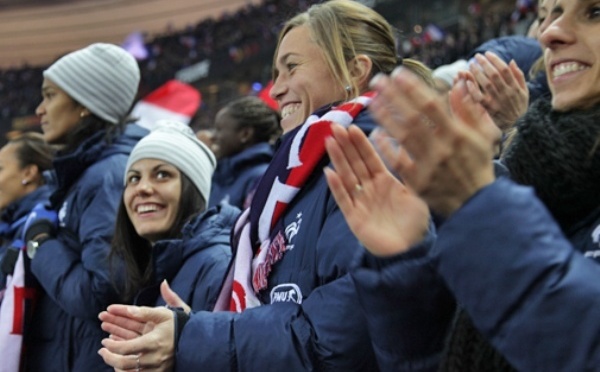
252,112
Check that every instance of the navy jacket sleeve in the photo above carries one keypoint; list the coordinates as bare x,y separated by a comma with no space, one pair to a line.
77,278
278,337
327,331
527,290
407,306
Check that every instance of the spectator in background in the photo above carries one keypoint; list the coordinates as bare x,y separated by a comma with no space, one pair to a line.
205,136
164,231
23,160
245,131
22,185
86,96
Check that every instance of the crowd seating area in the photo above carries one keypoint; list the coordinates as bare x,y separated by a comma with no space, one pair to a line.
240,46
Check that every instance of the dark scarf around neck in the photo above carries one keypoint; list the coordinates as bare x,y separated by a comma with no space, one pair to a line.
558,154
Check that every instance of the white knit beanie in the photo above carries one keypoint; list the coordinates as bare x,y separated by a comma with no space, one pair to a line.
176,143
104,78
447,73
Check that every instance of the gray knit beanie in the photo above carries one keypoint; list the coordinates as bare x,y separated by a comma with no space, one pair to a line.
104,78
176,143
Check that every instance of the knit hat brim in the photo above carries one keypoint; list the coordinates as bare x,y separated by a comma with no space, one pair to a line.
103,78
177,144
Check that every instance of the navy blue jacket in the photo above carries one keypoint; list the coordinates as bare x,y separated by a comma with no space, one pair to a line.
408,308
73,269
13,220
311,319
194,265
237,175
534,294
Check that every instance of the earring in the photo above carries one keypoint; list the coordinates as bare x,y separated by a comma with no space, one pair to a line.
348,88
24,182
83,114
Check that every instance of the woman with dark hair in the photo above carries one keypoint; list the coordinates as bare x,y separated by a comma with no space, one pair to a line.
86,97
245,130
22,185
23,161
163,230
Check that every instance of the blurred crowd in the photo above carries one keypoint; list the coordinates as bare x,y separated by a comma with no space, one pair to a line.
240,46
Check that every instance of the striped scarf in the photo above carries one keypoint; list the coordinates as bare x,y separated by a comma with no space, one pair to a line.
259,234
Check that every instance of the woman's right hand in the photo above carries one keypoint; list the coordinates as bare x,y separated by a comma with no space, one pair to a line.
501,88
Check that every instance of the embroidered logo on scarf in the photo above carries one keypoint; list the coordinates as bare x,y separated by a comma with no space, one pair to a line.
274,253
261,235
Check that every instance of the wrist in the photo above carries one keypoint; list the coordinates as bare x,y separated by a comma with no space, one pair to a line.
180,318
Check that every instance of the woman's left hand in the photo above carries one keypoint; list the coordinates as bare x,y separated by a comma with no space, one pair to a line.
383,214
152,350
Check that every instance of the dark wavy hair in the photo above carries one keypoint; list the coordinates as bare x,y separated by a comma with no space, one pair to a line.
90,125
135,253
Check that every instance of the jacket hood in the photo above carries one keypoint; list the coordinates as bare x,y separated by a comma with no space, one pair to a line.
69,167
210,228
126,141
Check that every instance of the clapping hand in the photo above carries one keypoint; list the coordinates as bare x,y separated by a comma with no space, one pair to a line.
385,215
446,152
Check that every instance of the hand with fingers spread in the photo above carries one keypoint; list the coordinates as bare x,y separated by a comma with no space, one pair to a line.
384,214
142,338
445,163
501,88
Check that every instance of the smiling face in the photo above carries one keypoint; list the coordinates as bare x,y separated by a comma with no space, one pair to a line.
572,53
151,197
11,176
59,114
303,80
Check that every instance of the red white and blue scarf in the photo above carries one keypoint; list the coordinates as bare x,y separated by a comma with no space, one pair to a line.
259,232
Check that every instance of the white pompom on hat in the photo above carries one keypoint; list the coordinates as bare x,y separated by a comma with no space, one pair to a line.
104,78
176,144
